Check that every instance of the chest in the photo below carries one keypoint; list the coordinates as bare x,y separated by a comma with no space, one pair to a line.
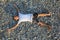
25,17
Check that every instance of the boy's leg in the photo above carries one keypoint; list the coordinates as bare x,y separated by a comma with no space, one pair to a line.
42,24
44,14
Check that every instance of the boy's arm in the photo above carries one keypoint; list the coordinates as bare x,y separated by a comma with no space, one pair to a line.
16,8
13,28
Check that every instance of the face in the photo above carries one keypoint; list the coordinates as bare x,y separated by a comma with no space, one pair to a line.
16,18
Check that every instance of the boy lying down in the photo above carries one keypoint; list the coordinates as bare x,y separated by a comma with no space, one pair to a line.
28,17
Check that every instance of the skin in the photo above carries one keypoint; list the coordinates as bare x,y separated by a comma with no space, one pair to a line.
42,24
39,23
43,14
16,18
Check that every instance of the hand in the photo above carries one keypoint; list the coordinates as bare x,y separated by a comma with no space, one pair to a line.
9,31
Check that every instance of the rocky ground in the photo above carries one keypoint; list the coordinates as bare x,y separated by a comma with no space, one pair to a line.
26,30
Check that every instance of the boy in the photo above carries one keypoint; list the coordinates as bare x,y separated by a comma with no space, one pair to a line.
28,17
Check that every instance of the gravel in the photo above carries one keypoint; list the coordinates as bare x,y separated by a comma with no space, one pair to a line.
26,30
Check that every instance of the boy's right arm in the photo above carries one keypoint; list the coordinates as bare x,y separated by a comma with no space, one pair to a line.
16,8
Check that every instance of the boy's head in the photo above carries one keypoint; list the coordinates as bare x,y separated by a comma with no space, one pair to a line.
16,18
